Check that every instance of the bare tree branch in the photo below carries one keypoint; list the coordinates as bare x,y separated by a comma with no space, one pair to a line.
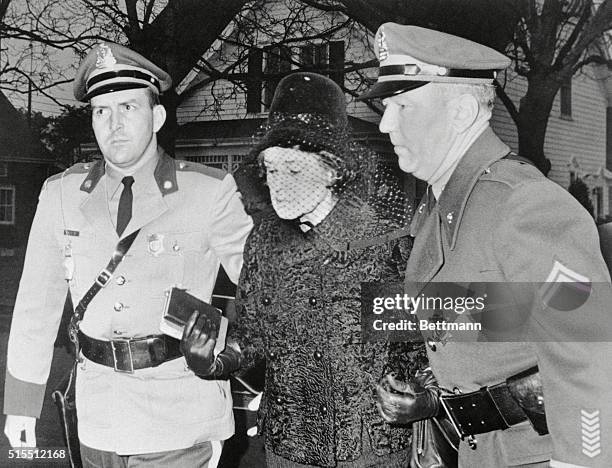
592,59
600,22
507,102
148,11
577,30
333,7
3,8
41,89
132,16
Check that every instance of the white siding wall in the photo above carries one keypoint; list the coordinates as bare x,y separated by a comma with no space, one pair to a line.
583,137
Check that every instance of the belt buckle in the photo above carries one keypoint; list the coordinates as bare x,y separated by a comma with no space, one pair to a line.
103,277
471,439
116,346
451,418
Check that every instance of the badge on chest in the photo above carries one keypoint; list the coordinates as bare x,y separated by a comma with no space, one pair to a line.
155,244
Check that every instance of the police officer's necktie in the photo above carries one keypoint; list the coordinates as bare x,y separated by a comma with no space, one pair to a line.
124,213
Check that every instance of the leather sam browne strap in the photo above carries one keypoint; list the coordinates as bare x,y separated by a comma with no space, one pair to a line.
102,280
105,275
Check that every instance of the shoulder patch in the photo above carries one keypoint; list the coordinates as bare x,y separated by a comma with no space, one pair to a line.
188,166
511,172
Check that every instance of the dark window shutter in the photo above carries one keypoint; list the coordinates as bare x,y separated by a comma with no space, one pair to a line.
306,56
278,63
336,61
566,98
254,80
285,59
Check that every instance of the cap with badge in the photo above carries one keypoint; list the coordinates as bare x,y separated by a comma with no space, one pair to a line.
111,67
411,57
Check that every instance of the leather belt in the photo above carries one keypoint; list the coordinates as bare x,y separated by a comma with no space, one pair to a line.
128,355
495,407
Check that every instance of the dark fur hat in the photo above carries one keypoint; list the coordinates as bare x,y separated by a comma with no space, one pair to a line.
308,110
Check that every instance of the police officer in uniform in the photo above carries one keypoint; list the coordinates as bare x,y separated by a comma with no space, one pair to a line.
489,216
138,402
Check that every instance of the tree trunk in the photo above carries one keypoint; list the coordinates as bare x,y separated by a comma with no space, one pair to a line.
534,111
166,137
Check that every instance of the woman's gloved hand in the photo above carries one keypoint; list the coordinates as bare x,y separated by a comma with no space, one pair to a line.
198,345
405,402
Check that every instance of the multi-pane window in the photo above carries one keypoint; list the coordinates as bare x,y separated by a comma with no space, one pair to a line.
267,67
313,56
3,169
7,205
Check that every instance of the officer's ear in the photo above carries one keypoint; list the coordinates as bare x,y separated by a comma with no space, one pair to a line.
159,117
463,112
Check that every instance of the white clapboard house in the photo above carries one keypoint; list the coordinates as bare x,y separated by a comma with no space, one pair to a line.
218,116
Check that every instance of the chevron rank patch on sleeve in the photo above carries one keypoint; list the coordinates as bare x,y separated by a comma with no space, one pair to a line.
591,433
565,289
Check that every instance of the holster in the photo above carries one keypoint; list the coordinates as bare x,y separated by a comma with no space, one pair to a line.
64,398
526,388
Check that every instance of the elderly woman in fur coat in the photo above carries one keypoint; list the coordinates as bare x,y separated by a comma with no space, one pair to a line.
327,219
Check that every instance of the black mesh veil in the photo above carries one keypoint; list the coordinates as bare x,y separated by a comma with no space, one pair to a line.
304,161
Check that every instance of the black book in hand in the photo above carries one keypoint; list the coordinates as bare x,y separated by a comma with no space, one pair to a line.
179,307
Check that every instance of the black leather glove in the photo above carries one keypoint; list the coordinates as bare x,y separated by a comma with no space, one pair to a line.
406,402
198,344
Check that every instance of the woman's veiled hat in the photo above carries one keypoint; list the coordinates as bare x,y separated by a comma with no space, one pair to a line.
308,110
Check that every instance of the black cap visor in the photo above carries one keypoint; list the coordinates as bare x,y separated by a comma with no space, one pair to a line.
111,88
383,89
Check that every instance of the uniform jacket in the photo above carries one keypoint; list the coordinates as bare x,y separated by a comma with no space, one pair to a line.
503,221
299,307
191,220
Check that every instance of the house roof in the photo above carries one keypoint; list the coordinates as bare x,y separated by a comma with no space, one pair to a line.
195,71
17,143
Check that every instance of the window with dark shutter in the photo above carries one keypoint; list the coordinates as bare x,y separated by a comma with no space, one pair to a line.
278,64
307,56
566,99
325,58
269,65
336,62
254,80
